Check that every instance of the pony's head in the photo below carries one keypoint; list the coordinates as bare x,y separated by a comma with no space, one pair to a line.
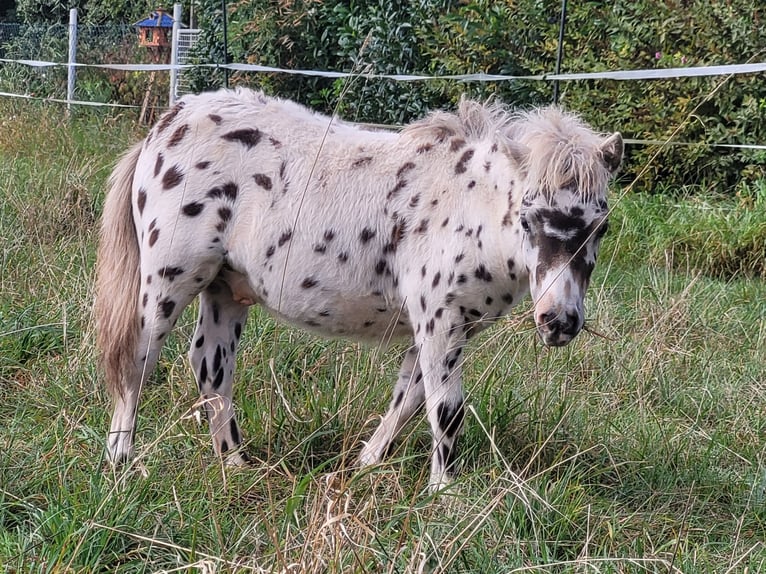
563,214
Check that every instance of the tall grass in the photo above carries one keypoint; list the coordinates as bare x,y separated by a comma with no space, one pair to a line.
641,447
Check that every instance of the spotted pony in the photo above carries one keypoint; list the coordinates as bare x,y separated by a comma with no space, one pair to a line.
431,234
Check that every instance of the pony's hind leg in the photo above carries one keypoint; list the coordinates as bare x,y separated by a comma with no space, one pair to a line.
213,358
160,304
408,398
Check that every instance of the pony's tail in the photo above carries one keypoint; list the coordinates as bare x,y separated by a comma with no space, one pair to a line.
118,279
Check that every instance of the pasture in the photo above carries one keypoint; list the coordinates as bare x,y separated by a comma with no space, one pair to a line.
640,447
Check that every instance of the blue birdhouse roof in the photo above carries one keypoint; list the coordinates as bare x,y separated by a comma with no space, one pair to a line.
157,19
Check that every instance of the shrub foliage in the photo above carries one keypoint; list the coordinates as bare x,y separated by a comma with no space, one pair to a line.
440,37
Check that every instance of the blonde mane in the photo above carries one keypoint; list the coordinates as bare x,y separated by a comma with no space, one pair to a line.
564,151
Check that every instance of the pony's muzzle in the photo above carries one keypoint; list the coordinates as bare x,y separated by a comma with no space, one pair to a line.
558,329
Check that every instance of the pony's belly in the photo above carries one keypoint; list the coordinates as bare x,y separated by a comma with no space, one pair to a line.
368,318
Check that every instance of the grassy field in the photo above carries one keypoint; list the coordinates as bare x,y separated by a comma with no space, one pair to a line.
641,447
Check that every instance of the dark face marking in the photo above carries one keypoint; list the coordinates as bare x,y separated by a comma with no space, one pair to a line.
247,137
263,181
173,176
193,209
178,135
141,201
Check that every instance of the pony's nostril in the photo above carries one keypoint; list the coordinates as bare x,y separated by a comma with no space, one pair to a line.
548,319
571,325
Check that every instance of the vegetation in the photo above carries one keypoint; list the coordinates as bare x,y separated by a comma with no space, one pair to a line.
638,448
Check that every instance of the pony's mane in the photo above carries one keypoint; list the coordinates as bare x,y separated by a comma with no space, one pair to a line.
564,151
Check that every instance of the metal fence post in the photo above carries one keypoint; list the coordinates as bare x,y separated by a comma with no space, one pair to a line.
72,57
177,11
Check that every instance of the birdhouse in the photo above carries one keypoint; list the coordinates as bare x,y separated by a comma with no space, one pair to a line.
154,31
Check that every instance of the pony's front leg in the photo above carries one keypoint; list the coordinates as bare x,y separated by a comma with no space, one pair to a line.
407,399
441,342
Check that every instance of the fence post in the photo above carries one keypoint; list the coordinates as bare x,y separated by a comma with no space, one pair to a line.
177,11
72,57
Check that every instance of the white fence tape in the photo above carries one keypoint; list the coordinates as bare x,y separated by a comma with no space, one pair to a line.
646,74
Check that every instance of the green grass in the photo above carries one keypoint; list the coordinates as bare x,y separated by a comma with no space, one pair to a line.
641,447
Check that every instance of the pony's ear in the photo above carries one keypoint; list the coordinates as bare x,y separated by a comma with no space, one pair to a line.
611,151
518,153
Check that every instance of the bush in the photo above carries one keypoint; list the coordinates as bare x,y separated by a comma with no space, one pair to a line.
451,37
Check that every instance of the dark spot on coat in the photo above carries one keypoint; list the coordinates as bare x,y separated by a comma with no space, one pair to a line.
178,135
153,237
342,256
217,383
423,227
329,235
173,176
460,166
228,190
437,277
203,371
201,165
247,137
158,164
482,273
405,168
424,148
193,209
381,266
361,161
169,116
170,273
309,282
270,251
263,180
141,201
199,342
235,436
366,234
320,248
167,305
216,119
456,144
284,238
